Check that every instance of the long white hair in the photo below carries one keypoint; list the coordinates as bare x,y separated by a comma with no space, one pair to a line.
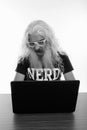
42,28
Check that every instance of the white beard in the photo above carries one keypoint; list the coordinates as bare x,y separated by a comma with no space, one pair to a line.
45,62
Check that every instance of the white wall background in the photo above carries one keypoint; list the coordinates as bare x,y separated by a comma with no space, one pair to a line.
69,21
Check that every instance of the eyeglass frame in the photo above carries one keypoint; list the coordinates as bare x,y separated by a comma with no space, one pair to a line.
37,43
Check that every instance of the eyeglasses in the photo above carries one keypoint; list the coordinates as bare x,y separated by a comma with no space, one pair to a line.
39,43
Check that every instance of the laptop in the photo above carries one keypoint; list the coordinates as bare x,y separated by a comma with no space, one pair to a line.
44,96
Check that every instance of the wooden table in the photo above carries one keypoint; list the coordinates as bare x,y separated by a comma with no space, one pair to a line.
51,121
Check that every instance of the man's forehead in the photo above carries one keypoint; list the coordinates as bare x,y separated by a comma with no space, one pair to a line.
35,37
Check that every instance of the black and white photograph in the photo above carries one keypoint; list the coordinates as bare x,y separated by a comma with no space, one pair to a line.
43,64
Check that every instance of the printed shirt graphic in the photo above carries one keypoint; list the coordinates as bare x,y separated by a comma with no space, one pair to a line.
45,74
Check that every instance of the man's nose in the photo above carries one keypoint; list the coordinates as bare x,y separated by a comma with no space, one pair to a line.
37,47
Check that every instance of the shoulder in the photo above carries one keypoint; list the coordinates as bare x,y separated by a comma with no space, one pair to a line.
23,61
66,62
22,65
63,56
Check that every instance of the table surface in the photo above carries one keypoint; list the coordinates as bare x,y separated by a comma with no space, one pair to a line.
51,121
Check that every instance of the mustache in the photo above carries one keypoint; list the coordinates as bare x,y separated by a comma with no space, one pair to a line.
39,50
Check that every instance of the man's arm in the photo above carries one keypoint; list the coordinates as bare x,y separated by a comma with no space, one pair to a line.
19,77
69,76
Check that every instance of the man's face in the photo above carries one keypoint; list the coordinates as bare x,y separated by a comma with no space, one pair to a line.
38,44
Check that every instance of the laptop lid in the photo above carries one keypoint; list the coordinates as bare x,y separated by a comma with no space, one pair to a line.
44,96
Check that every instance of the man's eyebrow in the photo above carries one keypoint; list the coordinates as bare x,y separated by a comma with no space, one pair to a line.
41,39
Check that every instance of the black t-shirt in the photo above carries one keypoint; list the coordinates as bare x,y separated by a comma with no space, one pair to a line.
23,67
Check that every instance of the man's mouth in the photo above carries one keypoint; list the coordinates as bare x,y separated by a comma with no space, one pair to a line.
39,52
